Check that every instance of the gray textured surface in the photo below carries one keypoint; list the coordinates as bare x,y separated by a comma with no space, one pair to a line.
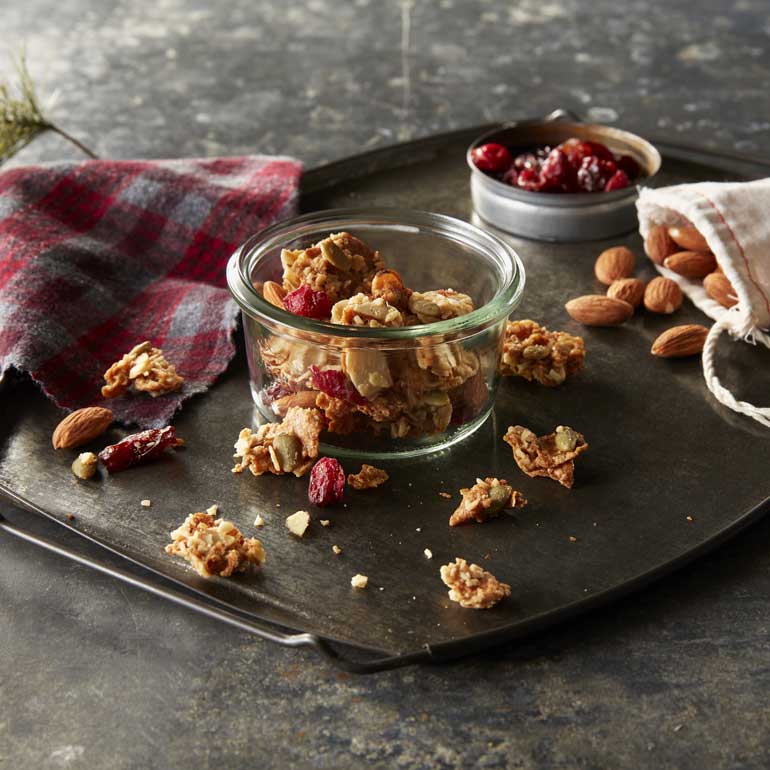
93,674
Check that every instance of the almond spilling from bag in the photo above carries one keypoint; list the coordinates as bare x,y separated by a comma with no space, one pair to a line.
658,244
613,264
598,310
719,288
691,264
630,290
680,341
274,293
662,295
81,426
688,238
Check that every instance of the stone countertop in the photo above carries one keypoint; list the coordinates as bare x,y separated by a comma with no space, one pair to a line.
95,674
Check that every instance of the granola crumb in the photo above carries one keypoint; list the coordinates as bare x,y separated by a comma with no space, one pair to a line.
143,368
471,586
213,510
428,553
572,539
214,546
326,523
418,529
145,503
70,517
368,477
259,521
552,455
485,500
84,465
298,523
359,581
445,495
690,518
337,549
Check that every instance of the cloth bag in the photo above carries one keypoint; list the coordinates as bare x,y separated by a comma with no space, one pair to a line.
734,218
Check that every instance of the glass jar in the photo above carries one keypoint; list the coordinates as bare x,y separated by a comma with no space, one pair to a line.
384,391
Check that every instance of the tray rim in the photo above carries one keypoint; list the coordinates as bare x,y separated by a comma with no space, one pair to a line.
327,175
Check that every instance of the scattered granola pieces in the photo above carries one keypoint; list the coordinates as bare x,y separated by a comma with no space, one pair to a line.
432,306
337,550
471,586
298,523
445,495
533,352
368,477
70,517
572,539
259,521
286,447
214,546
428,553
484,500
213,510
84,466
326,523
363,310
145,369
552,455
145,503
359,581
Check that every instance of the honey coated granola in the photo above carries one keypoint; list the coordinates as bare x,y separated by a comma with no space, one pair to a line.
471,586
214,546
145,369
368,477
485,500
552,455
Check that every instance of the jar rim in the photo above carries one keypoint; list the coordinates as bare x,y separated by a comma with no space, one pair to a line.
251,301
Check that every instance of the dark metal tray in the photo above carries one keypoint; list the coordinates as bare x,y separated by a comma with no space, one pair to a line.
669,475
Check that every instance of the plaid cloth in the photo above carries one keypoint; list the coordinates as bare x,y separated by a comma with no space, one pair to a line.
96,257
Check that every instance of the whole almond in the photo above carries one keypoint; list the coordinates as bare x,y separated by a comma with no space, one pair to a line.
662,295
680,341
719,288
688,238
274,293
598,310
613,264
305,399
81,426
630,290
658,244
691,264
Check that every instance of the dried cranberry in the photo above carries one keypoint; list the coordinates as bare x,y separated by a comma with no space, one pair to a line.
629,165
138,448
327,482
276,390
309,303
526,160
335,383
492,158
557,174
529,179
594,173
617,181
511,176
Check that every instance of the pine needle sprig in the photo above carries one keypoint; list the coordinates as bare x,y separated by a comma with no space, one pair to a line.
22,118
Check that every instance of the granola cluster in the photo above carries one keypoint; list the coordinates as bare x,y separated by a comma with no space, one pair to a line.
368,477
471,586
214,546
533,352
552,455
485,500
289,446
365,388
144,368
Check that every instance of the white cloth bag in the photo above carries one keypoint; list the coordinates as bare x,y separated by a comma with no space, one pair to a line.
734,218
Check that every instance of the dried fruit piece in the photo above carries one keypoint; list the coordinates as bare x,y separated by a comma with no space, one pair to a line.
691,264
138,448
688,237
335,383
614,263
81,426
298,523
658,244
594,173
552,455
680,341
327,482
214,546
491,157
485,500
630,290
368,477
84,466
274,293
662,295
598,310
145,369
719,288
306,302
618,181
471,586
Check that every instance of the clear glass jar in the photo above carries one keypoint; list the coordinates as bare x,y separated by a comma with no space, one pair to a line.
406,390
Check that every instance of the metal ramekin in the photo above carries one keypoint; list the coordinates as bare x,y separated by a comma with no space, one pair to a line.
568,216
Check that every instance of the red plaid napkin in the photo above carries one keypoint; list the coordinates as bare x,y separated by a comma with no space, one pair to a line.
96,257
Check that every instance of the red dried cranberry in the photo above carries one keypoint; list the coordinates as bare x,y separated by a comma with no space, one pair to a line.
138,448
617,181
557,174
492,158
335,383
511,176
529,179
594,173
309,303
526,160
327,482
600,150
629,165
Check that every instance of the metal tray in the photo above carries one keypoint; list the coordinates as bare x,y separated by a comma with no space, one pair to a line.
669,475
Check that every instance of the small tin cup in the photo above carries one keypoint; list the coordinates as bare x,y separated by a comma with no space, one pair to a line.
565,216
